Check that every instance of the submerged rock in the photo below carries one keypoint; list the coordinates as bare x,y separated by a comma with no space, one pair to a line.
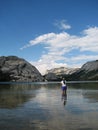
13,68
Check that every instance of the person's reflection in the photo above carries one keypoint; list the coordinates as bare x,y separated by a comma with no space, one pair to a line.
64,98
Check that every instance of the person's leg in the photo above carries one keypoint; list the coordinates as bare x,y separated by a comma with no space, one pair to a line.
62,92
65,90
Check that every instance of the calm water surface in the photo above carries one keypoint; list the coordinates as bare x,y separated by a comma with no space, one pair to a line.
39,106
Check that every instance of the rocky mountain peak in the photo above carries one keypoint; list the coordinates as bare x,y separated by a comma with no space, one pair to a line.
62,70
56,74
90,66
13,68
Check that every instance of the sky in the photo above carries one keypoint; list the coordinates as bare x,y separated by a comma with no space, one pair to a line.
50,33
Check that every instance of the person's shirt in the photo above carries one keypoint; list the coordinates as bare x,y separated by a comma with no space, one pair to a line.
63,83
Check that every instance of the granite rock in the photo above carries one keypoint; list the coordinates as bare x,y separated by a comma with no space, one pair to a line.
13,68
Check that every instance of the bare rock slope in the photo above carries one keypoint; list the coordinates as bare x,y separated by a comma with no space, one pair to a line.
57,73
13,68
89,71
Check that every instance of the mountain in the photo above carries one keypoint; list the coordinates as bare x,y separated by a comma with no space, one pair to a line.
89,71
13,68
62,70
57,73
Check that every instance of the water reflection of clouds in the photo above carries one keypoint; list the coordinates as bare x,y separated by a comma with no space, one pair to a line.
44,105
41,96
46,96
91,95
81,101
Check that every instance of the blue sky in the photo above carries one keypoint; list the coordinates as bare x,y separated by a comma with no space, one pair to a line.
50,33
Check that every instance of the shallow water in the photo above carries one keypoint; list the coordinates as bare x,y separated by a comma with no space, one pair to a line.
39,106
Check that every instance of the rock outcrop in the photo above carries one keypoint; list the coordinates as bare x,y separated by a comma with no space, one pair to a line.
89,71
17,69
57,73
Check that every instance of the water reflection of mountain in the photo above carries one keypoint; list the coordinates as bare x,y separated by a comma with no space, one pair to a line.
14,95
92,96
89,90
84,85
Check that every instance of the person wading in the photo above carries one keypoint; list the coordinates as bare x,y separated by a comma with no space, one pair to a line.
64,86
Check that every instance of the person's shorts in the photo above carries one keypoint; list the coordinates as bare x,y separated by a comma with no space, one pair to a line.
64,88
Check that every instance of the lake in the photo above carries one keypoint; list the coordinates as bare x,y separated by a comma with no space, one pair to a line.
39,106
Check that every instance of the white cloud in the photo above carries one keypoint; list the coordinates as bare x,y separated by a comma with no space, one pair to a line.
40,39
43,66
59,45
62,25
80,58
